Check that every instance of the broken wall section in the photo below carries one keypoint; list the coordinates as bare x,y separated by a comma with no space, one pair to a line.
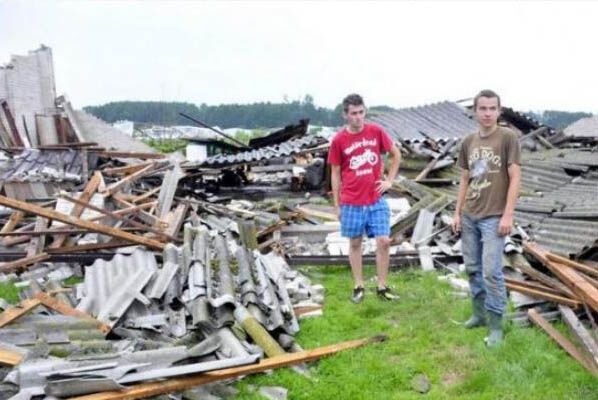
27,84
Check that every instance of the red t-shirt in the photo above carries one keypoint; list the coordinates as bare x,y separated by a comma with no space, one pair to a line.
359,156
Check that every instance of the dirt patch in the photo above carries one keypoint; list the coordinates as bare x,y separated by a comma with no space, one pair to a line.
451,378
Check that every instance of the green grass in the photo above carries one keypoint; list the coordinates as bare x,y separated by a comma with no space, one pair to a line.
423,338
9,292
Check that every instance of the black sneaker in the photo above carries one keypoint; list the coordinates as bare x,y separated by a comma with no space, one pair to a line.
386,294
358,294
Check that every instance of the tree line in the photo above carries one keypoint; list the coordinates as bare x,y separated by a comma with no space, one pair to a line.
260,115
249,116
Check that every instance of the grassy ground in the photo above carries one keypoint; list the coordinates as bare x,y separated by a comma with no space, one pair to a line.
423,339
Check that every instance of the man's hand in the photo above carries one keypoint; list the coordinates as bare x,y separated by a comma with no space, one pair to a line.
382,186
505,225
337,212
456,225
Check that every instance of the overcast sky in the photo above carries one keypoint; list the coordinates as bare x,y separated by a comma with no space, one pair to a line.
537,55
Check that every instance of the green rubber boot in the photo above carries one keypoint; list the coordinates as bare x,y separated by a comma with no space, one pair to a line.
495,336
479,313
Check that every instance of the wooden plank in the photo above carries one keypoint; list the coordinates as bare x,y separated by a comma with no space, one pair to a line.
21,309
118,217
543,295
518,261
130,154
90,188
300,310
37,242
538,286
580,286
561,340
116,186
585,338
317,213
573,264
177,384
127,169
146,195
11,241
10,358
175,219
70,220
147,217
23,262
89,247
65,309
12,222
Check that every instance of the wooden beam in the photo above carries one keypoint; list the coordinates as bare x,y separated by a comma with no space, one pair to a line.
147,217
82,248
37,242
145,195
543,295
580,286
130,154
118,217
177,384
70,220
12,222
11,241
518,261
11,314
585,338
65,309
573,264
116,186
90,188
10,358
317,213
127,169
23,262
561,340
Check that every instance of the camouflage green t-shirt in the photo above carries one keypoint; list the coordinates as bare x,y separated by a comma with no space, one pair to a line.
488,160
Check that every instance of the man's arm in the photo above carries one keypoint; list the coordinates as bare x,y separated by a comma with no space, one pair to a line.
335,182
463,186
506,222
395,160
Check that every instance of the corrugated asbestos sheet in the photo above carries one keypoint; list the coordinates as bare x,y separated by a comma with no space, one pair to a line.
585,127
265,153
443,120
564,215
37,173
33,165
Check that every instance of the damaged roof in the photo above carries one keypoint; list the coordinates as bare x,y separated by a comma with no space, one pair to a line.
444,120
585,127
269,152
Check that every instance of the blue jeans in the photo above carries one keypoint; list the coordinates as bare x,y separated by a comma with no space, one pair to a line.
482,249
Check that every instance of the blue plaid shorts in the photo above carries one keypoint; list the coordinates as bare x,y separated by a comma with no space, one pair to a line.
373,220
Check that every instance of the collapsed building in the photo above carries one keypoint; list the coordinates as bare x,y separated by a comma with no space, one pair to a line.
186,269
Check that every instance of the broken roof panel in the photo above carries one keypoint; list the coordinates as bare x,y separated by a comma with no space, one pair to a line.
277,151
444,120
33,165
585,127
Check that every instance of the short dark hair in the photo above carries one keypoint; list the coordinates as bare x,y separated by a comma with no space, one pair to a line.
352,100
485,93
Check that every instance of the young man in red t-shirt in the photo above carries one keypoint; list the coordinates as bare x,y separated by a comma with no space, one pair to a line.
355,157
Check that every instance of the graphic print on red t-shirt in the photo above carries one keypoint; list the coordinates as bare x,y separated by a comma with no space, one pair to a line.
359,156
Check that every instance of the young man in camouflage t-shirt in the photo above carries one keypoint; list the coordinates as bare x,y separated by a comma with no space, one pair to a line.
489,187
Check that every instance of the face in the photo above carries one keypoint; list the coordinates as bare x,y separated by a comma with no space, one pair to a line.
487,111
355,116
